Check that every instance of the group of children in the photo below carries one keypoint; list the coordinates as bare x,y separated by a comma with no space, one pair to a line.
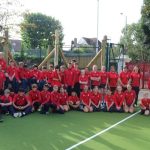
25,90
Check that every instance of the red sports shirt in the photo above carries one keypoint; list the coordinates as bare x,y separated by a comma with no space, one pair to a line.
20,100
56,78
145,102
43,75
129,97
35,73
113,79
109,99
3,63
83,79
45,96
95,74
124,77
104,76
55,98
96,98
63,98
49,77
2,80
76,75
119,99
34,96
135,79
5,99
85,98
69,77
73,99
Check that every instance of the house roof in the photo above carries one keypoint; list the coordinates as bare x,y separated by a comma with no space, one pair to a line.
91,41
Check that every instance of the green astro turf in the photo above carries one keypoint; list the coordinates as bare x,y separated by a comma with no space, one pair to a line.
133,134
58,132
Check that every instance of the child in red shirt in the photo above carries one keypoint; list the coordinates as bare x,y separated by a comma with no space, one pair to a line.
35,98
21,104
2,80
85,100
2,62
145,105
45,99
55,101
6,103
129,99
96,99
74,101
109,101
63,99
119,99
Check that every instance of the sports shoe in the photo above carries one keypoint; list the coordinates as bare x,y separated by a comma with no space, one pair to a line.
19,114
15,115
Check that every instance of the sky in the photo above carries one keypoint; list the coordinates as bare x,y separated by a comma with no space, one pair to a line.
79,17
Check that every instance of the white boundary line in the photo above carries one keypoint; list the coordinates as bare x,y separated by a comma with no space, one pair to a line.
101,132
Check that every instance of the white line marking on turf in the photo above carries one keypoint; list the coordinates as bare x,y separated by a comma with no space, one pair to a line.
101,132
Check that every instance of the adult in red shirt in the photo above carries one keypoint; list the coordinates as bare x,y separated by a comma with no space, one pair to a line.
112,79
74,101
12,76
76,74
63,99
83,80
119,99
145,105
69,76
136,82
45,99
6,103
54,101
35,97
2,80
109,101
95,77
96,99
23,74
124,77
129,95
2,61
85,100
56,78
21,104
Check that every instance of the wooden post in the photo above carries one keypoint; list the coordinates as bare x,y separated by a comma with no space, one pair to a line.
96,56
46,59
6,45
56,53
48,51
63,57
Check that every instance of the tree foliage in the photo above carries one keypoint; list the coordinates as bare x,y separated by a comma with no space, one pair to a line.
146,23
37,30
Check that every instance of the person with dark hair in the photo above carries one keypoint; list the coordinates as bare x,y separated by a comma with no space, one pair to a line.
21,104
112,79
136,82
35,97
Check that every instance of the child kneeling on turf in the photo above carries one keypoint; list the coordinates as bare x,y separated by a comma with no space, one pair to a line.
21,104
74,101
54,101
109,101
119,99
96,99
129,99
6,103
35,97
63,99
145,105
85,100
45,99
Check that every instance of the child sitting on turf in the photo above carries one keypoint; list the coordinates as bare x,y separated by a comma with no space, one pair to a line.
119,99
129,99
74,101
145,105
63,99
109,101
45,99
35,97
6,103
54,101
21,104
96,99
85,100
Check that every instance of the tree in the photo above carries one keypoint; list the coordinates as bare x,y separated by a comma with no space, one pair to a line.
146,23
38,29
133,40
